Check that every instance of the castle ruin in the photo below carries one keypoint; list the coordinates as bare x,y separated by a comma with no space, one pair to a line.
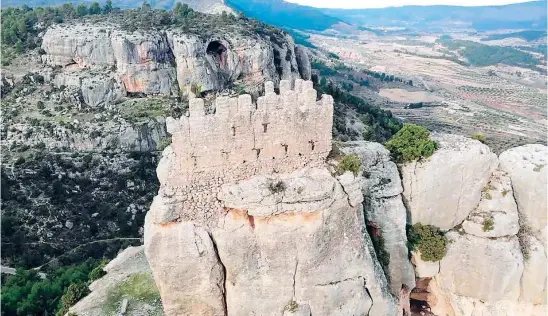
278,134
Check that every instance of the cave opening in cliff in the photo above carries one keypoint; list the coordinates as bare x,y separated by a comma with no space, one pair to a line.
217,51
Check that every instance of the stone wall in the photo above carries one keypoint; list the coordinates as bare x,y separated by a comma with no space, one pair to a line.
249,220
279,133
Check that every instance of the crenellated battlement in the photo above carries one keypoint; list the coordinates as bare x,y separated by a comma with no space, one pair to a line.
278,133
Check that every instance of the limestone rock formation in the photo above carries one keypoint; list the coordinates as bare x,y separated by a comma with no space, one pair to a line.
526,166
249,219
497,213
424,269
533,281
384,210
107,293
105,63
444,188
489,270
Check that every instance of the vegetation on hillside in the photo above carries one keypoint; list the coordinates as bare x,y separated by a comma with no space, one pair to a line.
382,124
410,143
528,35
21,26
26,293
350,163
429,240
482,55
46,193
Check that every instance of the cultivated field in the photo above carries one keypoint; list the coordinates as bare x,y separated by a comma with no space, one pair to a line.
505,103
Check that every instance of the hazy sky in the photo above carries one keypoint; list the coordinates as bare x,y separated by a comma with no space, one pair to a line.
395,3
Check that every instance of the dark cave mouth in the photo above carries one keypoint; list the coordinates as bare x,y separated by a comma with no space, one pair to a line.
218,52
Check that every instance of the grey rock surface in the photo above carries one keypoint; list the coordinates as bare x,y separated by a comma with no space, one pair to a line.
526,166
119,63
497,213
443,189
384,208
487,269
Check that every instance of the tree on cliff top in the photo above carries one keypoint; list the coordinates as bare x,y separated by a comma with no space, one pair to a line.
410,143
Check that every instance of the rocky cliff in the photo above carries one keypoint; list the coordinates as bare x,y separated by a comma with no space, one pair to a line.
104,63
495,262
250,219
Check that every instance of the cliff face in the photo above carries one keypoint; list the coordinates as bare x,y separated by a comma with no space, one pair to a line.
104,63
491,208
250,220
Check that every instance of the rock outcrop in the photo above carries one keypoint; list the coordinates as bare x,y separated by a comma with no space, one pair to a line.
526,166
444,188
496,214
489,270
250,220
384,209
106,63
494,256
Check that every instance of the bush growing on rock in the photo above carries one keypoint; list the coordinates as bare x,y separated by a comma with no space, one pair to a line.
488,224
479,137
350,163
75,292
429,240
410,143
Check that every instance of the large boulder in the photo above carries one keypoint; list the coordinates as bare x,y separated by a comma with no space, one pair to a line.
444,188
285,244
497,212
384,208
526,166
533,281
486,269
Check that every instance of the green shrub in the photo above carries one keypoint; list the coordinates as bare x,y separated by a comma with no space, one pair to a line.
292,307
479,137
524,233
163,143
488,224
75,292
429,240
98,271
350,163
410,143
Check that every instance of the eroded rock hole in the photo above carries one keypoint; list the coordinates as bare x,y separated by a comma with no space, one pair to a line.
265,127
233,131
312,145
258,152
285,148
217,51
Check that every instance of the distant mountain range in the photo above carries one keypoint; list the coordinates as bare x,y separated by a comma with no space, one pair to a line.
527,15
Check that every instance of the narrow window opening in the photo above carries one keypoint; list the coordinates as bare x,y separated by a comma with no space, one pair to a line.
233,131
312,145
265,127
285,148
